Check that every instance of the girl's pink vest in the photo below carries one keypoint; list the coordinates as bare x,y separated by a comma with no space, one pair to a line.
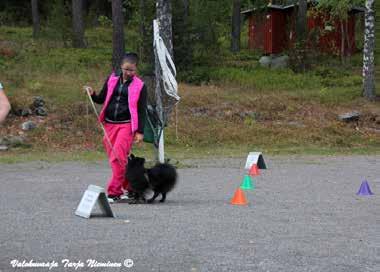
134,90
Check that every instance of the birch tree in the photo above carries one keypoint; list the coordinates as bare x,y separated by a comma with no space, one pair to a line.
368,53
163,107
164,17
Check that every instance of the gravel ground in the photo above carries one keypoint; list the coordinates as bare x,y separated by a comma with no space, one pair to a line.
304,215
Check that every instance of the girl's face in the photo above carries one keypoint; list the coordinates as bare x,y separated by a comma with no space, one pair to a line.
129,69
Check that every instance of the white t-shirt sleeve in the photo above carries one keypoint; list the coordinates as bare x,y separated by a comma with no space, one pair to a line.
1,86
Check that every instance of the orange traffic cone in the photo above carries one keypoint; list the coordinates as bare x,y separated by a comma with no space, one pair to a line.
239,198
254,171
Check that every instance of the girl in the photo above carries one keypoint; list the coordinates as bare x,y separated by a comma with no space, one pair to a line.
124,98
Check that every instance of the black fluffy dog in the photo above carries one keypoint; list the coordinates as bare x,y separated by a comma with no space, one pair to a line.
160,179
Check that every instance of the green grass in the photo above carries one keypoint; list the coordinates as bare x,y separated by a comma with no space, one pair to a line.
261,79
21,156
179,154
325,83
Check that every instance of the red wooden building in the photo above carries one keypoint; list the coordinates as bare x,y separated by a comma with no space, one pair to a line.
330,38
272,30
267,29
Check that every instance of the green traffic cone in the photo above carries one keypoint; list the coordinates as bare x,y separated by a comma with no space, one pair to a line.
247,183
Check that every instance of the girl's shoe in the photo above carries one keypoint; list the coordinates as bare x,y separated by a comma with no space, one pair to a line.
115,199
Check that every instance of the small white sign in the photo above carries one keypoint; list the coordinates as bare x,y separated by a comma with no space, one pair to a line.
92,195
255,158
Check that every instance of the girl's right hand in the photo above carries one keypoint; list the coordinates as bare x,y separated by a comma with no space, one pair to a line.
88,89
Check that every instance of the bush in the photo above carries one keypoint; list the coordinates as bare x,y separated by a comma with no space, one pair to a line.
197,76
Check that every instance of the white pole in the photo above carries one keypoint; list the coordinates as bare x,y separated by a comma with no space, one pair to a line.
161,153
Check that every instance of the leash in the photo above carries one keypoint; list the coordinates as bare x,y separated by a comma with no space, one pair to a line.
104,130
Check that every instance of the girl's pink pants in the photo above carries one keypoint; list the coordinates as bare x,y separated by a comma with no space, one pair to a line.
121,138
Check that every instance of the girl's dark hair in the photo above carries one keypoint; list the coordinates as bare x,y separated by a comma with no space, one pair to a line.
130,57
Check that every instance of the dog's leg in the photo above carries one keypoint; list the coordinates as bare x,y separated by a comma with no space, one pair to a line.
163,197
135,200
138,199
153,197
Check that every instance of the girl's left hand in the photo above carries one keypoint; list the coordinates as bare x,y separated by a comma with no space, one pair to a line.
138,139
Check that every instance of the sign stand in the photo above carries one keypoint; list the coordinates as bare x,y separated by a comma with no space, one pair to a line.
92,195
255,158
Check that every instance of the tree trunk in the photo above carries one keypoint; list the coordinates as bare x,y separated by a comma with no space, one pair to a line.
183,35
368,54
235,32
97,12
164,18
78,24
348,41
342,41
186,8
142,28
301,35
118,33
301,24
36,19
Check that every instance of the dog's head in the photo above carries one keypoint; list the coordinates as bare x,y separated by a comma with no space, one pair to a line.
134,161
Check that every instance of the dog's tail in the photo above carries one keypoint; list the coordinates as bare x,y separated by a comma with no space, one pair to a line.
163,176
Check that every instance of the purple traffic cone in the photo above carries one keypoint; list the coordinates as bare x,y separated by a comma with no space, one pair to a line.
364,189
